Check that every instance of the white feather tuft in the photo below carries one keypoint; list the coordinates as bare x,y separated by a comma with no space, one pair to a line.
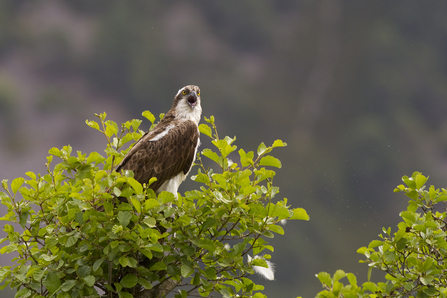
267,273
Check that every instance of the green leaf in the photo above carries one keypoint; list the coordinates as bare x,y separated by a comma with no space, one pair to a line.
92,124
124,218
123,261
196,280
430,290
158,266
202,178
325,278
95,158
155,246
268,234
210,119
238,248
146,252
52,282
260,262
150,221
261,149
152,180
278,143
124,247
408,216
60,295
68,284
186,270
111,128
209,222
300,214
210,273
270,161
352,279
339,274
188,250
370,286
31,175
150,204
246,158
135,185
149,116
427,264
97,264
375,243
277,229
183,220
399,188
166,197
420,181
116,229
23,293
55,151
83,271
211,155
225,293
224,147
206,130
125,295
16,184
38,274
23,219
90,280
136,204
132,262
145,283
409,182
220,178
71,241
129,280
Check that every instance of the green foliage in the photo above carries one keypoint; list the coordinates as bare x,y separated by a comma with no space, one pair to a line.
413,258
83,229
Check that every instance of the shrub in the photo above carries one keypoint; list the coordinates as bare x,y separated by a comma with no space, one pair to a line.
142,244
413,257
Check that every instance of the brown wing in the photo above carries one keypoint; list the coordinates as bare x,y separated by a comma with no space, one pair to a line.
165,157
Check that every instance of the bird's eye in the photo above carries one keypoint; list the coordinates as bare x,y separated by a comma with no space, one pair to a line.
184,92
198,92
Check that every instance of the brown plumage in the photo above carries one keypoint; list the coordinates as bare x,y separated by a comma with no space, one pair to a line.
168,151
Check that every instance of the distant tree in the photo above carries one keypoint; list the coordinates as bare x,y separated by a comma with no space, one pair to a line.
414,258
142,244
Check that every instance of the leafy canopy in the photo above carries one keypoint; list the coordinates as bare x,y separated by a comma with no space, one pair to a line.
142,244
413,258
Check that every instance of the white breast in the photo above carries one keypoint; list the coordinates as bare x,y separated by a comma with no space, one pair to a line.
172,184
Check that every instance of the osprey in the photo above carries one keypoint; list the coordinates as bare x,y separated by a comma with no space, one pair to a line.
168,151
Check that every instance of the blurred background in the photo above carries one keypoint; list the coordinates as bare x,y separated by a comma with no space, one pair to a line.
358,90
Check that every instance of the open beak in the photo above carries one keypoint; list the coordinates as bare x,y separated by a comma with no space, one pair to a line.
192,99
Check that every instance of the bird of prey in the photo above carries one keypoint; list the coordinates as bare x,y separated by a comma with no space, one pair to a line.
168,151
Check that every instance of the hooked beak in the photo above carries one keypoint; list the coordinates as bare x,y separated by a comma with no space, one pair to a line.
192,99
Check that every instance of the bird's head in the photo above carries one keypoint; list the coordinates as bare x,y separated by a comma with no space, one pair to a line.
187,103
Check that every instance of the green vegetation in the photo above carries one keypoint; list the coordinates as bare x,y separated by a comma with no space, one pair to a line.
413,258
142,244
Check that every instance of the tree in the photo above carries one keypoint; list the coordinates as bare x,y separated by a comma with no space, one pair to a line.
413,258
142,244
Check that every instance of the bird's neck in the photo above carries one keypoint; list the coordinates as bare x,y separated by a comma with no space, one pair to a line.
187,113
